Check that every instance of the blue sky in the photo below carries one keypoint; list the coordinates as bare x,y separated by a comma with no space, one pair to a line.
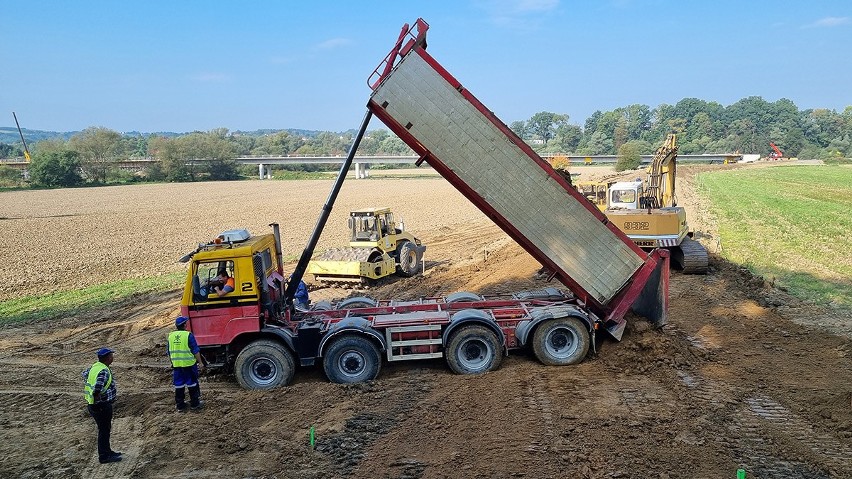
197,65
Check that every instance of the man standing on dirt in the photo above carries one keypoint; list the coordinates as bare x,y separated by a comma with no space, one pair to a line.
185,356
100,392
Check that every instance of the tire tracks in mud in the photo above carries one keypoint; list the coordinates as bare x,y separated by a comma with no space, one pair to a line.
350,448
765,438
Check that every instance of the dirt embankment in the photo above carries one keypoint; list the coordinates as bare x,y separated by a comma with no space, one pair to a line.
732,382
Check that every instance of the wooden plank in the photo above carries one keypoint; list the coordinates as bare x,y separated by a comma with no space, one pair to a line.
506,178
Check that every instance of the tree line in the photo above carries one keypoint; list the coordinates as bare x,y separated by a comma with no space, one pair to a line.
747,126
92,156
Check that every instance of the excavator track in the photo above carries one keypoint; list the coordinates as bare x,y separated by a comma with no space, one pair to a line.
690,257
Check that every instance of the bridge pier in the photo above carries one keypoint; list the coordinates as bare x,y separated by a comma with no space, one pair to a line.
362,170
264,172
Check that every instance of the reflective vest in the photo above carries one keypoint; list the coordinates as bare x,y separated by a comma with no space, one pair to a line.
179,351
89,391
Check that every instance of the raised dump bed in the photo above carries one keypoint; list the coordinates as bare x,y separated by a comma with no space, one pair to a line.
464,141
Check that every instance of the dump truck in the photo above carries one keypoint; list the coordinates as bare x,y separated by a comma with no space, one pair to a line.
259,333
379,246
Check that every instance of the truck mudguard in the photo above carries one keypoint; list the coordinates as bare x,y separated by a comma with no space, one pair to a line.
478,316
539,315
355,325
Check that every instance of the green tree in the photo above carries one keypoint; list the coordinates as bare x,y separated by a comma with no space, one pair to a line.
599,144
10,151
519,128
568,138
9,177
629,157
544,124
56,169
99,149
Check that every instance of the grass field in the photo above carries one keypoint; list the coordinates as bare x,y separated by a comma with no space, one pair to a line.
789,224
69,303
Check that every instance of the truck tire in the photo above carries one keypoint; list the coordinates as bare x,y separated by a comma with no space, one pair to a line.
358,302
473,349
561,341
352,359
264,364
409,259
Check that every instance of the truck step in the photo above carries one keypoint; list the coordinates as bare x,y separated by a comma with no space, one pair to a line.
396,348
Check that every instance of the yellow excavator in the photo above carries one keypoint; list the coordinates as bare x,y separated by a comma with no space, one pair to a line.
378,247
647,212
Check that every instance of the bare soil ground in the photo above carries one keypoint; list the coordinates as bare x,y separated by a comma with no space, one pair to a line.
742,377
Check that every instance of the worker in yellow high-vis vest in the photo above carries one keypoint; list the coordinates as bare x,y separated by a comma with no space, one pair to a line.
100,393
185,356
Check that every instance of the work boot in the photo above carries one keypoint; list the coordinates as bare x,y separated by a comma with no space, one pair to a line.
196,407
180,399
109,459
114,453
195,397
182,408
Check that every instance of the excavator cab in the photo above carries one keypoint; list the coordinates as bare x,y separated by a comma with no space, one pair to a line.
625,195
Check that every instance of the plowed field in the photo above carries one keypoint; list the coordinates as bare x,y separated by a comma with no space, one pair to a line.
743,376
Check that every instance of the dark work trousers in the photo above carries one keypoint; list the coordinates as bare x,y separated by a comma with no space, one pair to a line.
194,396
102,414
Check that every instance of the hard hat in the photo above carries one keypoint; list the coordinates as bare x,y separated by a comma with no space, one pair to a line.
104,351
181,320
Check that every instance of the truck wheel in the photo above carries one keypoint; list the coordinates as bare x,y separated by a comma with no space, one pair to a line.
352,359
358,302
264,364
561,341
409,259
474,349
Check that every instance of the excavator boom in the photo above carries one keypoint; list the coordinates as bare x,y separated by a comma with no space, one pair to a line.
661,175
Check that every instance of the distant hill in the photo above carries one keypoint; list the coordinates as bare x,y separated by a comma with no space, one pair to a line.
10,135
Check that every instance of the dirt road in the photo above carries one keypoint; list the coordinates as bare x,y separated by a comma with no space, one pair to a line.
730,383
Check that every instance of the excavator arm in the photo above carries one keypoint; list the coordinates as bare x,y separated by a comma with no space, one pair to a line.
661,175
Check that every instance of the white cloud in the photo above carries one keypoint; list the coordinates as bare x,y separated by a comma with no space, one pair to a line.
829,22
333,43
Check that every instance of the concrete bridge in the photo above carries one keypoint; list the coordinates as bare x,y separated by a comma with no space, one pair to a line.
362,163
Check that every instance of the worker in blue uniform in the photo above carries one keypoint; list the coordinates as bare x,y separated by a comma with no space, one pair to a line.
186,359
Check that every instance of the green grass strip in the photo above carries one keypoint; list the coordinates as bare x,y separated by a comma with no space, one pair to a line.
75,302
790,225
